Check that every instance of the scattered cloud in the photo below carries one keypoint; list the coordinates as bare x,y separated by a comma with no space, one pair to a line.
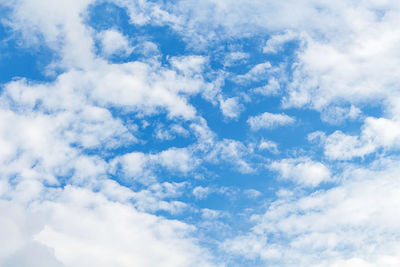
132,147
302,171
268,120
231,107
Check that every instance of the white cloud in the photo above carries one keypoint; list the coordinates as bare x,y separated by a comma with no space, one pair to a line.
358,66
232,152
231,107
201,192
113,234
59,24
252,193
336,114
113,42
160,196
275,43
114,85
272,88
302,171
376,133
268,145
179,159
257,73
171,132
384,132
33,254
341,146
269,120
135,166
189,65
235,58
141,167
209,214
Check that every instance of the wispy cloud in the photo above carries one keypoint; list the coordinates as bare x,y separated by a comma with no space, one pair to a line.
268,120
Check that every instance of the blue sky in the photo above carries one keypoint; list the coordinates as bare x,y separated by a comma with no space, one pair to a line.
219,133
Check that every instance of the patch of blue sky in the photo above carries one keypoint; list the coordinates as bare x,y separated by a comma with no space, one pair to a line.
19,61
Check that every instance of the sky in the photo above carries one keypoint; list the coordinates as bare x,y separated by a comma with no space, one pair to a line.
199,133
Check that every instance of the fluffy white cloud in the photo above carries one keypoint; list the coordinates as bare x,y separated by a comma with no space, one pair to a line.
302,171
180,159
230,107
33,254
141,167
269,120
59,24
376,133
113,42
107,233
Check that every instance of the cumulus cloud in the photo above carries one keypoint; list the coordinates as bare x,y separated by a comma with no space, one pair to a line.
376,133
230,107
302,171
53,237
74,242
33,254
113,42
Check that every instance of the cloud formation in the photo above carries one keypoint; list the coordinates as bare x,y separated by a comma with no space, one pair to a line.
154,133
